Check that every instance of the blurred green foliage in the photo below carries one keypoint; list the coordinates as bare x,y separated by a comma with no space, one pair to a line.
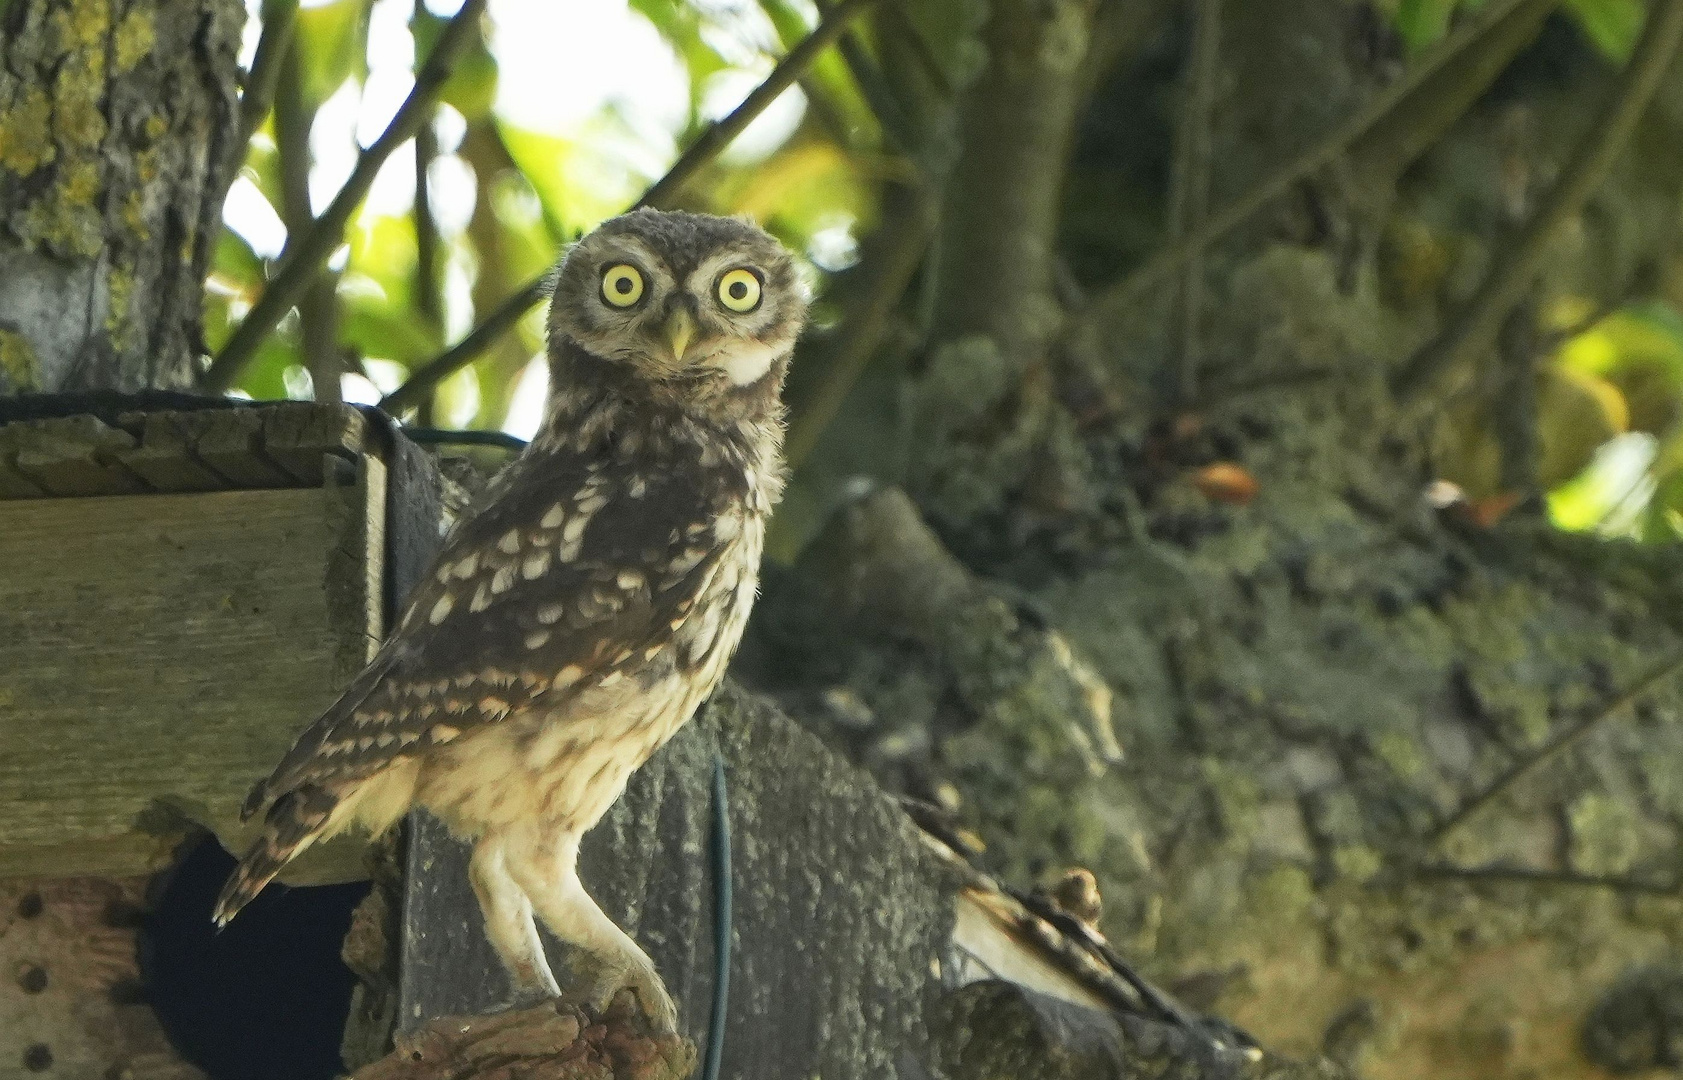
1609,392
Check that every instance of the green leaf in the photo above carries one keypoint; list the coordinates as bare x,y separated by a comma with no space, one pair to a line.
1422,23
680,24
1613,25
332,40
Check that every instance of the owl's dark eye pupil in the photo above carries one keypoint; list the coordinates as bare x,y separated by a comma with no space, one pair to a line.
622,285
738,290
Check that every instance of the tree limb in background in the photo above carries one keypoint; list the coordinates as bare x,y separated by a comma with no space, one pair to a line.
303,255
1473,330
702,151
428,303
279,23
1189,195
1287,176
889,271
318,311
1553,748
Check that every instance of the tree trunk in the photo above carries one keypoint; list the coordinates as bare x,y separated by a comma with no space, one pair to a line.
118,139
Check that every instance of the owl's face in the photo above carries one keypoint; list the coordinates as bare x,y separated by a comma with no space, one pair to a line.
676,296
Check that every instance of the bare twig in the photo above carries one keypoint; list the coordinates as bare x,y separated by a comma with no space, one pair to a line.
1530,876
428,304
1554,747
720,135
702,151
890,272
1190,195
318,310
303,255
1305,164
1473,331
258,94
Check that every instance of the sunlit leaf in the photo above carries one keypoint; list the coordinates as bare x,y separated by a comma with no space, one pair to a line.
472,85
1421,23
1576,413
1613,25
235,264
1639,350
580,182
1612,491
828,74
332,40
375,328
680,24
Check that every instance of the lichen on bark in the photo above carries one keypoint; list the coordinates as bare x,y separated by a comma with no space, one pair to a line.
116,148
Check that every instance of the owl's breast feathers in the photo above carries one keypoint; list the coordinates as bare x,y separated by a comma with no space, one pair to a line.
621,551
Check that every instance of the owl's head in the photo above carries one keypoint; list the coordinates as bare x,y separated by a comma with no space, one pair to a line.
680,298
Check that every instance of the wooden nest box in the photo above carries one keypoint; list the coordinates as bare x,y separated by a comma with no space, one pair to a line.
182,588
180,592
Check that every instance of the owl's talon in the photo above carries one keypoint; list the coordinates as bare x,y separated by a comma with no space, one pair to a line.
649,991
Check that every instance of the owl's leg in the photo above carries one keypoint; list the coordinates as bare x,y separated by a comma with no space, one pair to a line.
548,872
508,922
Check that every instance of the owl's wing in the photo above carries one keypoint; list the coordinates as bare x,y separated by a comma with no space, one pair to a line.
572,572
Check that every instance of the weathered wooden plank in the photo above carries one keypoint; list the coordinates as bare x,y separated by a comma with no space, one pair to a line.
112,740
164,457
298,436
74,456
14,484
231,442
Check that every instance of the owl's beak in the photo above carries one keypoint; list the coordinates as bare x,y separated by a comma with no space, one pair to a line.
680,330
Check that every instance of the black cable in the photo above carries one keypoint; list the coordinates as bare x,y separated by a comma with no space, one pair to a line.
445,437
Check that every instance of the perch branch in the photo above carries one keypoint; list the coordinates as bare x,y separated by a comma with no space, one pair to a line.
1553,748
303,256
1315,157
552,1040
702,151
1473,331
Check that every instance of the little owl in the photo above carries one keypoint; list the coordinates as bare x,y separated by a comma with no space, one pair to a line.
576,618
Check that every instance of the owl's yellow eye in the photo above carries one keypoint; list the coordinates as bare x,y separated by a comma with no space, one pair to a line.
622,285
739,290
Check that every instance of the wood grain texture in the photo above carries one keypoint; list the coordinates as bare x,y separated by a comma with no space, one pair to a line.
71,1002
158,654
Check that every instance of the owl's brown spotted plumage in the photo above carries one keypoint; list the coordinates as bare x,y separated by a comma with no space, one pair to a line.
579,615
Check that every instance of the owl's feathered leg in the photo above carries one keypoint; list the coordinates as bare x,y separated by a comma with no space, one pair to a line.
508,922
547,871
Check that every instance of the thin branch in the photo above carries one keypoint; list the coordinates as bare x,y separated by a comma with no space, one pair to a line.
702,151
1566,739
462,353
318,310
1530,876
1473,331
304,255
1305,164
1190,197
890,272
258,94
428,304
720,135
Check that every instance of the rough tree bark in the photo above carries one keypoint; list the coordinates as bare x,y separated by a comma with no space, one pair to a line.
1307,684
118,138
1313,675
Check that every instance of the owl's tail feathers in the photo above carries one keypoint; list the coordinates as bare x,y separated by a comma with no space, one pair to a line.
293,822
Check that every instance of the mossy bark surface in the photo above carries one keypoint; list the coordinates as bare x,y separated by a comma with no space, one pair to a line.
117,144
